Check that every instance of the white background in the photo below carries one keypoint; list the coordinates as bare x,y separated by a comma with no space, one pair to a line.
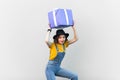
24,54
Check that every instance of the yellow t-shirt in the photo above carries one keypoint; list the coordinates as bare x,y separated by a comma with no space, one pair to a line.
53,51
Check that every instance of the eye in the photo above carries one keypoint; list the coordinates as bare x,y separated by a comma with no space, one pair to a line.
62,36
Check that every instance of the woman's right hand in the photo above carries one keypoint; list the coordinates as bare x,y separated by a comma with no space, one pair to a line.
49,25
49,29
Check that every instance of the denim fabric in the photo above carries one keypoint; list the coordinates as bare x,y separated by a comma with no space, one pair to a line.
53,69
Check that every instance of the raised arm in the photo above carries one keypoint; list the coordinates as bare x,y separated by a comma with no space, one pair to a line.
75,38
47,38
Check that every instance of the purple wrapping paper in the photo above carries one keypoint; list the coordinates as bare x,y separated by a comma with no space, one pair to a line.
60,18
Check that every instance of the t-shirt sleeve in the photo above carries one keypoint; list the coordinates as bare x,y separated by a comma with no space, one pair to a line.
51,45
66,44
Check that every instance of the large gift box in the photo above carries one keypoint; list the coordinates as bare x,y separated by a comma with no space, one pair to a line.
60,18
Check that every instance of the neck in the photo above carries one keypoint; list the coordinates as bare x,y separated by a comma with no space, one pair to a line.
59,43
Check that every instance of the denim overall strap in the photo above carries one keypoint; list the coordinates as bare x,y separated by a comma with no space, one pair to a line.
58,49
58,59
60,55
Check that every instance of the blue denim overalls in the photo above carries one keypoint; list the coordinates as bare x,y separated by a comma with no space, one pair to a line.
53,68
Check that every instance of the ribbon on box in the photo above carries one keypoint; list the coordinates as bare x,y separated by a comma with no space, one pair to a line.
54,17
66,15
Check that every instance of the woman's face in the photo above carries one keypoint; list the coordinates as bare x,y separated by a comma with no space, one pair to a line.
61,39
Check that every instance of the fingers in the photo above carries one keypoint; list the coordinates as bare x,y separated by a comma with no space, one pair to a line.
73,23
49,25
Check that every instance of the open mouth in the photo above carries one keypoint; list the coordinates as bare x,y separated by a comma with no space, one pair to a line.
62,41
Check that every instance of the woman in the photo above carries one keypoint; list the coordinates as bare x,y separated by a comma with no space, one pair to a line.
57,52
